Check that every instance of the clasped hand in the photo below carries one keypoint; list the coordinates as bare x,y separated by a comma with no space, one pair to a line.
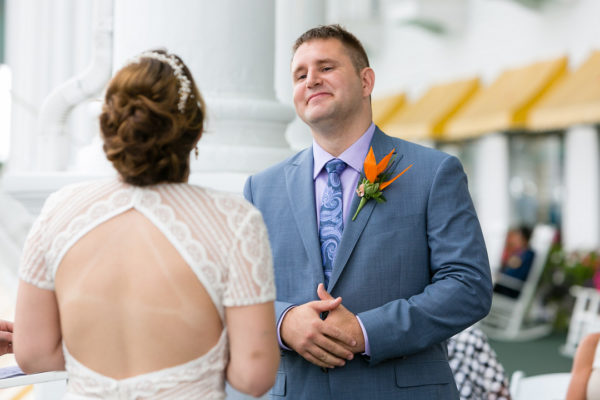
327,343
6,331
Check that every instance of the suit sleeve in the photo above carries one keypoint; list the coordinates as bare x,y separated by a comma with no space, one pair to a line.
248,190
460,290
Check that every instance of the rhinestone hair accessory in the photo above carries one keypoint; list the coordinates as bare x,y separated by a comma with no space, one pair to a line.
184,82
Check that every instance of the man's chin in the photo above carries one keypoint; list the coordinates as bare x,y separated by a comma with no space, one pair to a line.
317,116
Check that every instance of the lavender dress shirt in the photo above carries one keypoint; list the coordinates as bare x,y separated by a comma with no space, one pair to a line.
354,156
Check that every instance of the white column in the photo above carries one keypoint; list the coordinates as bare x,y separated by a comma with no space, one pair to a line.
491,197
41,49
24,42
58,147
294,17
229,47
47,44
581,205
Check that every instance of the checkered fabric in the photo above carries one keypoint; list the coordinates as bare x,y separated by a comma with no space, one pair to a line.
478,374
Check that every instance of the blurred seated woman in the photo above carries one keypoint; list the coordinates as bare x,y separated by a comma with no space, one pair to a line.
517,259
585,374
146,286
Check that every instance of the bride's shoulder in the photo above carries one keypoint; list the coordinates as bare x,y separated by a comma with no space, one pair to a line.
215,195
75,192
225,202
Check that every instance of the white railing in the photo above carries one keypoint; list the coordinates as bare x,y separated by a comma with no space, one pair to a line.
46,385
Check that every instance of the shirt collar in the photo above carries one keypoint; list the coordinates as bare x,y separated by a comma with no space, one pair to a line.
354,156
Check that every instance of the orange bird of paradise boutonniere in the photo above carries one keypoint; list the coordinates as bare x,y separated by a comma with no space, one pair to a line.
376,178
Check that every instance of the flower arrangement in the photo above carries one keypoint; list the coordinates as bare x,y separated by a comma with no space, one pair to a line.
562,271
574,268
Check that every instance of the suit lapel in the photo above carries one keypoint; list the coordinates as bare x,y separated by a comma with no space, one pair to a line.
382,145
301,192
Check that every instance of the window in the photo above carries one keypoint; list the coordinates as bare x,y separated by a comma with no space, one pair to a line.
535,178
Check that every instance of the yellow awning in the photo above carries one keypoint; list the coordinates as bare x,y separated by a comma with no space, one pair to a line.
425,118
385,107
504,105
575,100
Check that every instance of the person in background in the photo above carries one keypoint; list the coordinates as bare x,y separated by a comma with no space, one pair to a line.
144,286
585,374
6,335
517,259
478,373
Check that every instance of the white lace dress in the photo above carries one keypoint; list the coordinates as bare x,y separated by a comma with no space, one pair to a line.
221,237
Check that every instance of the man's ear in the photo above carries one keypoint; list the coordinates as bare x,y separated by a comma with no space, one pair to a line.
367,77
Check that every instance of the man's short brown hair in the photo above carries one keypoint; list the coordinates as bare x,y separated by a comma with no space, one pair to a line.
355,49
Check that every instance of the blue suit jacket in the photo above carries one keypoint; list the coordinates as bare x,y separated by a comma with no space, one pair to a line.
414,269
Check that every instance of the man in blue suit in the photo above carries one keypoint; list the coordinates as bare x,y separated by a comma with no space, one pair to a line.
400,278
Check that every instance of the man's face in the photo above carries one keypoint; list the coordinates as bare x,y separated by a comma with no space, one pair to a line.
327,87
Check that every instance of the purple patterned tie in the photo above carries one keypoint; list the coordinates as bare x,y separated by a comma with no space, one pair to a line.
331,218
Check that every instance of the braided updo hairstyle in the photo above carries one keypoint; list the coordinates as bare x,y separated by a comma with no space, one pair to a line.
149,127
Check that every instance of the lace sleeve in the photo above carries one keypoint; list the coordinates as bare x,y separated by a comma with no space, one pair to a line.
34,266
250,278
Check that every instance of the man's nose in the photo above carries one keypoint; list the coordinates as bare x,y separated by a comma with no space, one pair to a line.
313,79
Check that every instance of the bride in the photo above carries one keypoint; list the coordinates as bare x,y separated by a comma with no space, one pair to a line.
146,286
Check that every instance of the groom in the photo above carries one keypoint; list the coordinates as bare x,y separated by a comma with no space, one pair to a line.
400,278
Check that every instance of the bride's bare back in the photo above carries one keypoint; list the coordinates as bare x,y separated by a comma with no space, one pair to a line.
123,289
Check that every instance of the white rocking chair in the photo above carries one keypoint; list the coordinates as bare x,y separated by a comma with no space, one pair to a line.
585,318
508,317
545,386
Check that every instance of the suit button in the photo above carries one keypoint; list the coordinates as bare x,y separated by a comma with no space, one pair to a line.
325,370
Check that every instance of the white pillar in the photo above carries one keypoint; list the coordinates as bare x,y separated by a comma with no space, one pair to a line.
47,44
294,17
229,47
581,205
491,197
40,50
24,43
58,147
